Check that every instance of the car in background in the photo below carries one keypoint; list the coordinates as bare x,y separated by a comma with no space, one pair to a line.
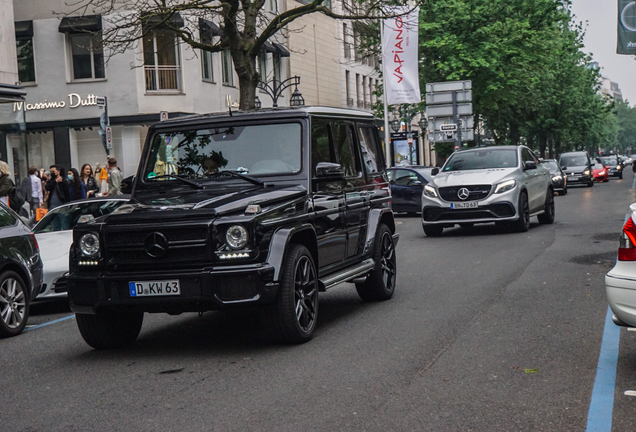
20,272
54,234
578,167
559,180
600,172
626,160
406,187
501,184
620,281
613,164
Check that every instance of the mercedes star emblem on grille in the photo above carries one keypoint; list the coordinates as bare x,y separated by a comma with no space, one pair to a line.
156,244
463,193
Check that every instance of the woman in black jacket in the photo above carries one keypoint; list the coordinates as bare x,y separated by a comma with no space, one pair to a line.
86,176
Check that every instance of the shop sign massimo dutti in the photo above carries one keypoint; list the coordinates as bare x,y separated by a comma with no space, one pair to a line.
74,101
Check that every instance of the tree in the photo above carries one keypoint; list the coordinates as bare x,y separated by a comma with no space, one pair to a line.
244,26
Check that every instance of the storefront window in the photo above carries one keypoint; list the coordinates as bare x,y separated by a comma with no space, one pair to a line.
87,55
26,62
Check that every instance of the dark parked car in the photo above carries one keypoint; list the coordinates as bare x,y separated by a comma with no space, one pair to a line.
613,164
406,187
262,208
20,272
578,167
559,180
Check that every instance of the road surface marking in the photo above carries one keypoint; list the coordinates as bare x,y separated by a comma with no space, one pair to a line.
49,323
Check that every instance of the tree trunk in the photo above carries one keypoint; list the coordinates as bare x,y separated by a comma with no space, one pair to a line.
543,141
245,66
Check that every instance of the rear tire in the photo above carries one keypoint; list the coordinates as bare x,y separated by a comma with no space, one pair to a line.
548,216
108,329
590,184
523,223
294,313
433,230
14,304
565,190
380,284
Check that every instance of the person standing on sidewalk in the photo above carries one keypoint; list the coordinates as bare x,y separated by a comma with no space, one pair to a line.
114,178
58,187
37,200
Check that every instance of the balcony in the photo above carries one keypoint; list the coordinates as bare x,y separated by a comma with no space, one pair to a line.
360,104
367,105
163,78
350,102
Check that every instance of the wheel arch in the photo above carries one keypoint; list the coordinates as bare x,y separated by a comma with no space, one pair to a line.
302,234
26,278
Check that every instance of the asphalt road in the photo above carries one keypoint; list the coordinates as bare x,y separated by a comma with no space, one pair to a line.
487,331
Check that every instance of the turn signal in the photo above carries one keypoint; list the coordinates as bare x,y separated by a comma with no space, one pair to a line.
627,248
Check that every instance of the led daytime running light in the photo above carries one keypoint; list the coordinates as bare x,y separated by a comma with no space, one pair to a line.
234,255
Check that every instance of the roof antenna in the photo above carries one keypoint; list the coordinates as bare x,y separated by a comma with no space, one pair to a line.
228,102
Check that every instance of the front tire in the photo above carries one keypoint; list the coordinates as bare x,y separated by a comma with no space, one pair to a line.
380,284
109,329
590,184
294,313
548,216
14,304
523,223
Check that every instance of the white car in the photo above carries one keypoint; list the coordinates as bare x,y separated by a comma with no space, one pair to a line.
54,234
620,281
501,184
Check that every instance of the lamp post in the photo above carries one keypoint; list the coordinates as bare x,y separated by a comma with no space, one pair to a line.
395,123
275,89
257,103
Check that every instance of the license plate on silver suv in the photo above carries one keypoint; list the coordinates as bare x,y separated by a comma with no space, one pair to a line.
154,288
464,205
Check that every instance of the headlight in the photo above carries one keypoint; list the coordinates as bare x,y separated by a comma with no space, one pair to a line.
430,191
89,244
236,237
505,186
602,173
586,172
556,177
618,167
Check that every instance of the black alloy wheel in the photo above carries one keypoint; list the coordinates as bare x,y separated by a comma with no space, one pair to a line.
547,217
294,313
14,304
380,283
523,223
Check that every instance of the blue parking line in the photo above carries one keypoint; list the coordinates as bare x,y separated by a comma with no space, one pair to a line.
599,416
49,323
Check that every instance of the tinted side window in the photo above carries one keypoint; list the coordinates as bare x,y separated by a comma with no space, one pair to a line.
370,150
343,140
321,148
405,177
6,218
527,156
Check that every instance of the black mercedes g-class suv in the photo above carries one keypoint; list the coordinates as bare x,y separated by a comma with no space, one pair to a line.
264,207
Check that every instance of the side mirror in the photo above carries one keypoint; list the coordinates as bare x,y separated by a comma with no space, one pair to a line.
564,167
434,171
329,170
415,183
528,165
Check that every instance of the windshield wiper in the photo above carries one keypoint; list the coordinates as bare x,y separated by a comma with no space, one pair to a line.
250,179
183,179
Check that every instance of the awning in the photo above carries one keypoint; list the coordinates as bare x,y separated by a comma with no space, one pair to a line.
11,93
86,23
175,20
23,29
207,30
282,51
269,47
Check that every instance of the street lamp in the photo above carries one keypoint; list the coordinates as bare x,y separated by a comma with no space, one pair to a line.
257,103
423,122
395,123
296,98
275,89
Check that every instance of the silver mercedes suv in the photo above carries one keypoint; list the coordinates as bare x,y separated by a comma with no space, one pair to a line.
503,184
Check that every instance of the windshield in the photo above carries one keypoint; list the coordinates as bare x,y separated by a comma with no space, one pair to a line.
608,161
568,161
550,165
66,217
482,159
252,149
598,166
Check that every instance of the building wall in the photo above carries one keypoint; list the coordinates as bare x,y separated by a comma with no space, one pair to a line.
8,64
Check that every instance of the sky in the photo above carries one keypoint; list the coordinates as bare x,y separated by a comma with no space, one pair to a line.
599,18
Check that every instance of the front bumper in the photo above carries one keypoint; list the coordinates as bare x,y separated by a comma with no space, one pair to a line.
621,296
494,208
579,178
201,290
613,172
558,184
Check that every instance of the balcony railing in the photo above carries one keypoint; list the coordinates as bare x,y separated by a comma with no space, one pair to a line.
163,78
367,105
360,104
347,50
350,102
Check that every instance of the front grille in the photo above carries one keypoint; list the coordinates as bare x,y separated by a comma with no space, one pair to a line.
476,192
174,234
235,287
83,293
492,211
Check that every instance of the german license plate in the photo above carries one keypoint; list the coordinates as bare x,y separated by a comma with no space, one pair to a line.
464,205
154,288
572,178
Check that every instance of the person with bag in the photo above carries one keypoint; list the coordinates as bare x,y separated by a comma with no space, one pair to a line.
90,184
6,184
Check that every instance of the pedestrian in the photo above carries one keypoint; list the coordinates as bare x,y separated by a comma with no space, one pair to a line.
57,186
114,178
6,184
90,184
45,175
101,175
34,187
76,189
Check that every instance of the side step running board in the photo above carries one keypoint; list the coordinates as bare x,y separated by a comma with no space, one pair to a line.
346,275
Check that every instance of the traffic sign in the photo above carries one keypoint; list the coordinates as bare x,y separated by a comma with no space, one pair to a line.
103,121
163,115
449,86
447,97
100,101
447,110
465,122
109,138
448,127
449,136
